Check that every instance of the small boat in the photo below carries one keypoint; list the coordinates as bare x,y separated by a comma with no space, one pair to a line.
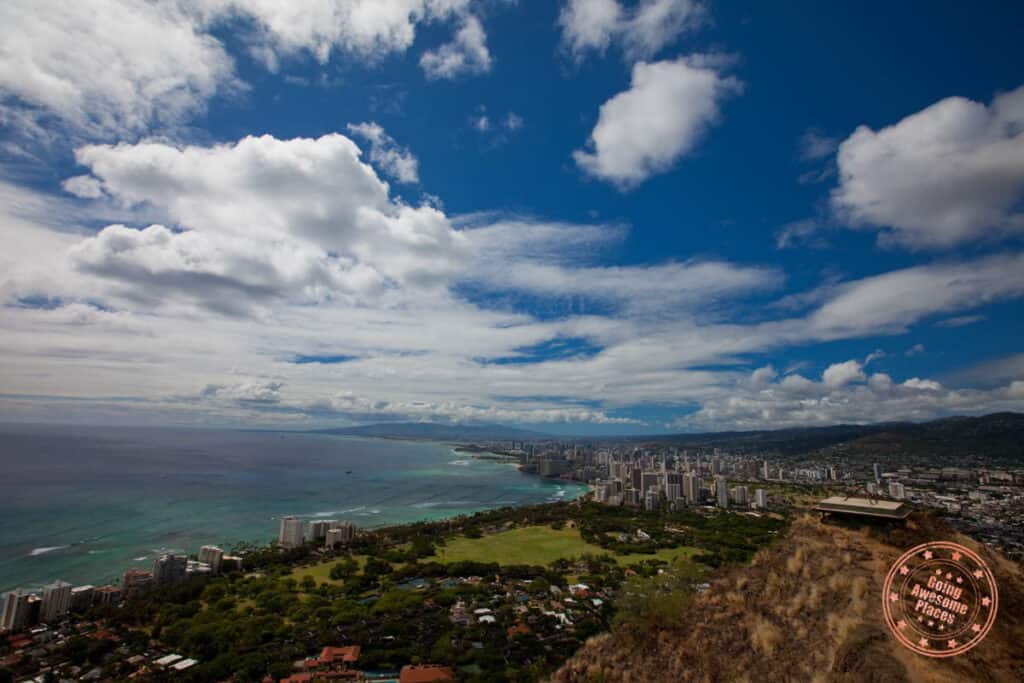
348,471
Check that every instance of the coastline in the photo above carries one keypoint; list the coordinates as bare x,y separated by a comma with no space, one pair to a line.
100,529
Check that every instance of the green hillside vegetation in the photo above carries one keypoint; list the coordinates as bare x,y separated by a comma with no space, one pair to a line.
398,593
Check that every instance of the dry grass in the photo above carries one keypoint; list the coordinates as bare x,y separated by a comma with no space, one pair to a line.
804,610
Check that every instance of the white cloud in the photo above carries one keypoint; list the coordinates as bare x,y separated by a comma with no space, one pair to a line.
83,186
265,393
513,121
804,232
841,374
960,321
466,54
643,29
367,28
799,401
914,350
221,265
662,116
949,174
394,160
110,67
137,66
893,301
815,145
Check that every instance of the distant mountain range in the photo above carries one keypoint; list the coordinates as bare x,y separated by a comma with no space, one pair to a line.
999,435
439,432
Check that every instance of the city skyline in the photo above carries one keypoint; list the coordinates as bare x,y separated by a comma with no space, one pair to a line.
665,216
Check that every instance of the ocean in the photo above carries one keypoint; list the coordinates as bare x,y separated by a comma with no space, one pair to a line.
82,504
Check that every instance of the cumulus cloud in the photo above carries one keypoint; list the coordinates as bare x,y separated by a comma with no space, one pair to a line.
641,30
251,393
799,401
949,174
663,115
135,64
83,186
140,66
367,28
841,374
466,54
306,211
394,160
226,262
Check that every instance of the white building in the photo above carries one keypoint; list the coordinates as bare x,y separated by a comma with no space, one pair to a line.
896,490
170,568
741,496
81,597
722,491
291,533
340,533
56,601
760,498
318,528
16,609
213,556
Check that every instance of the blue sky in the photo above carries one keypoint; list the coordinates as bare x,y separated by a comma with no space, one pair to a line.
594,216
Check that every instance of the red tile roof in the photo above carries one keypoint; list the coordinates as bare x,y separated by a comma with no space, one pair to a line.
298,678
347,654
428,673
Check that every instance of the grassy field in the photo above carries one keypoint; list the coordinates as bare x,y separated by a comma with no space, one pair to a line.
523,545
539,545
321,573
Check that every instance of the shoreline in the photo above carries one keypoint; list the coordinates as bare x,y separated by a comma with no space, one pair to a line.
47,553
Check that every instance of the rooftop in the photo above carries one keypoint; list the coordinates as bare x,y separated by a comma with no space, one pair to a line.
866,507
427,673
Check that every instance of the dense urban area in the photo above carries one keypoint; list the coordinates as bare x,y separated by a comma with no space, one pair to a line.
503,595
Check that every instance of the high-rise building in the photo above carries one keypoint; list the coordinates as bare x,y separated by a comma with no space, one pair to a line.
651,499
741,496
108,595
896,490
340,532
81,597
760,498
691,488
722,491
878,473
648,482
290,535
764,470
16,610
136,582
56,601
832,474
673,492
213,556
170,569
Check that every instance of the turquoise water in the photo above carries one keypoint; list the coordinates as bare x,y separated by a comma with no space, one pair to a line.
84,503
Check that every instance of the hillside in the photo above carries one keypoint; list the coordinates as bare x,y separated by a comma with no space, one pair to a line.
806,609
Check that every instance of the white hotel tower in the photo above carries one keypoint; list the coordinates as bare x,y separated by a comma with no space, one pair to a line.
291,535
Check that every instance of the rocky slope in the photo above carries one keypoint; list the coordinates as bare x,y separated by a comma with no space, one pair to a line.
807,609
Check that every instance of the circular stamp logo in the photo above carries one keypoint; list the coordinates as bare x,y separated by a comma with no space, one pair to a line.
940,599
